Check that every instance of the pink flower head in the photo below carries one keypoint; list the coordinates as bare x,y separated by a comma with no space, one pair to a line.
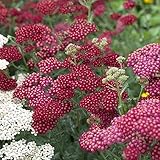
80,29
10,53
141,121
99,7
129,4
145,61
45,117
135,148
3,13
128,19
31,32
115,16
46,6
153,88
6,83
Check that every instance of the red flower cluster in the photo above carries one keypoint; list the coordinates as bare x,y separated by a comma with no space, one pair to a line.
47,109
50,64
45,117
81,77
127,19
123,22
26,15
99,7
6,83
135,148
33,90
3,13
102,104
31,32
115,16
46,6
62,7
48,46
80,29
10,53
129,4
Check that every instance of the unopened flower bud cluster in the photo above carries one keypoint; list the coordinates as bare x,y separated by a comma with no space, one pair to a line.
120,59
115,74
71,49
21,150
100,43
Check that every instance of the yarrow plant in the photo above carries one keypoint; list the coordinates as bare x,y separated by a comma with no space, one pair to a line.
22,150
79,79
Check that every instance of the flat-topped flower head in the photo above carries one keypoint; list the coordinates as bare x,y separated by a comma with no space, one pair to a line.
145,61
80,29
31,32
22,149
6,83
129,4
10,53
13,119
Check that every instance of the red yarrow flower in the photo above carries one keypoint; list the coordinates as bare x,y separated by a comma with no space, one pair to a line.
129,4
31,32
80,29
7,83
10,53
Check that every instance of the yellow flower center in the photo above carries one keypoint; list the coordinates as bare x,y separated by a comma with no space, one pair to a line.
145,94
148,1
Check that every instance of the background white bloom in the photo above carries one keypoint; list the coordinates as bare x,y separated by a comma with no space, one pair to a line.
21,150
6,96
21,78
13,119
3,64
3,40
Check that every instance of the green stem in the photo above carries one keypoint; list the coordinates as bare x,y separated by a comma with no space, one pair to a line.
90,15
102,155
20,50
120,103
23,58
16,67
113,155
140,93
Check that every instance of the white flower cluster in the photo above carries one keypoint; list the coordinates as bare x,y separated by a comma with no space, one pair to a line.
21,150
3,40
3,64
21,78
13,119
6,96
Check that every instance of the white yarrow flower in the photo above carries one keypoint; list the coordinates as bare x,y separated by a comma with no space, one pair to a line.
13,120
3,64
21,150
21,78
3,40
